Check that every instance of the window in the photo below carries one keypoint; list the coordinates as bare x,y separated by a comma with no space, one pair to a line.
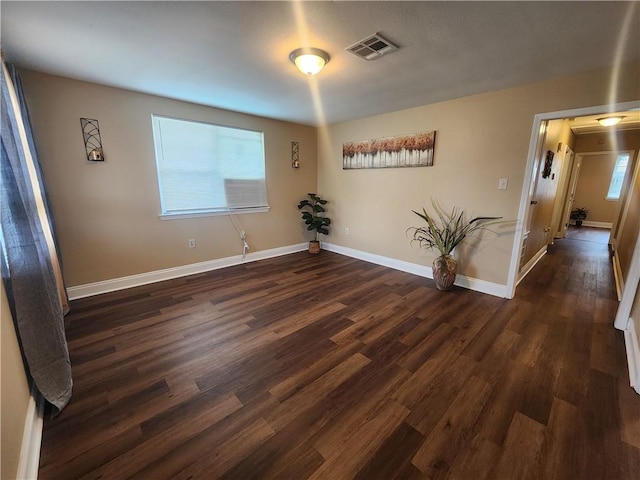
204,168
619,169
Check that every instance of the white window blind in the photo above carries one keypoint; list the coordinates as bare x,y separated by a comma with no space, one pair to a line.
205,168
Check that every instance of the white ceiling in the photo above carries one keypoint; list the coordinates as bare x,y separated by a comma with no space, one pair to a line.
234,55
589,124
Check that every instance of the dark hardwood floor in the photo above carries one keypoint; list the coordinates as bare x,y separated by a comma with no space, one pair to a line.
327,367
589,234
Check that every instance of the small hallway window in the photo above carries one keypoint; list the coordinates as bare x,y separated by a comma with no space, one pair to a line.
619,170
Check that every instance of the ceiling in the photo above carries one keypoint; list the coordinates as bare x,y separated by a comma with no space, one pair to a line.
589,124
235,55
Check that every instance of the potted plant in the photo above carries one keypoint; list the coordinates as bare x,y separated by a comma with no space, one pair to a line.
443,232
313,216
579,214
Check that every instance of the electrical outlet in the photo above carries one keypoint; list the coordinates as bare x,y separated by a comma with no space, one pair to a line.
192,243
346,230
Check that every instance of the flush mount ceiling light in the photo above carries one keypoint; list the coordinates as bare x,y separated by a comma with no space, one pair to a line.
309,60
609,121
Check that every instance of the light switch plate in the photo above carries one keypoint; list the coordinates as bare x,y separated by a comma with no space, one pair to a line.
502,183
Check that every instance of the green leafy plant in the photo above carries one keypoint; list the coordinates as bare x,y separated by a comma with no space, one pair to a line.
313,214
579,214
444,231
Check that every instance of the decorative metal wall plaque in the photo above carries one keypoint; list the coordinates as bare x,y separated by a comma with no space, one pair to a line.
392,152
92,140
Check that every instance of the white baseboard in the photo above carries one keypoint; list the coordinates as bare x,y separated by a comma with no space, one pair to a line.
587,223
121,283
475,284
632,344
531,263
130,281
31,438
617,275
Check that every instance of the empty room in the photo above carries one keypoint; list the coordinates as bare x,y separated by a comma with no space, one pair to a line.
320,240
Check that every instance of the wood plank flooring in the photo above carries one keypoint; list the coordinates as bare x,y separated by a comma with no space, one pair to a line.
589,234
327,367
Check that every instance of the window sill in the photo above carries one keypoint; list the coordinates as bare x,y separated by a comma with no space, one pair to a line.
236,211
611,199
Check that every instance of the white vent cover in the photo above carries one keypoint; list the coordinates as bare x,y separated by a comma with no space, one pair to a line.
372,47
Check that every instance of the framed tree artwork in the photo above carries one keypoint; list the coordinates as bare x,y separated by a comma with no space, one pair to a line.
415,150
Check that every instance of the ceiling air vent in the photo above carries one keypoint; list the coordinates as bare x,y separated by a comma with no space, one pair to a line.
372,47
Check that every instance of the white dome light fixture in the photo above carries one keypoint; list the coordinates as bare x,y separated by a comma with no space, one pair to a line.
309,60
609,121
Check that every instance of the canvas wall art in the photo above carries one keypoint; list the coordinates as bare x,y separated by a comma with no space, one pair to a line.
414,150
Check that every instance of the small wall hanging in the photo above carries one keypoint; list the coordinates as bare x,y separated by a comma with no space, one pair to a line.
547,164
92,140
392,152
295,155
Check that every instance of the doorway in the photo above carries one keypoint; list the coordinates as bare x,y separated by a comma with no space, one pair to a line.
553,164
535,159
576,164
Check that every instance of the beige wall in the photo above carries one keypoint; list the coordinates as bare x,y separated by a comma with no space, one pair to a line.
479,140
630,227
607,142
565,157
620,140
15,393
593,184
107,213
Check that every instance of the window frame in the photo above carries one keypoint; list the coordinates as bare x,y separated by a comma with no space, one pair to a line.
619,154
213,211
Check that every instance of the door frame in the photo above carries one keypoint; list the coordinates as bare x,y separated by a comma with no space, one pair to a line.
541,137
576,165
623,320
562,193
621,212
523,210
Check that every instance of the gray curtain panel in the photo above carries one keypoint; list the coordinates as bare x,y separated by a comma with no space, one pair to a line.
30,264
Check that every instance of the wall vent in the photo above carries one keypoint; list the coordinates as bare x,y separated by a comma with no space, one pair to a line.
372,47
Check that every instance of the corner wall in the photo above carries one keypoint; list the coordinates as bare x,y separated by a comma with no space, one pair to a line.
629,228
106,213
479,140
620,140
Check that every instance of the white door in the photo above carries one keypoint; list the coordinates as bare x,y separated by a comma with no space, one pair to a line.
533,187
565,161
573,183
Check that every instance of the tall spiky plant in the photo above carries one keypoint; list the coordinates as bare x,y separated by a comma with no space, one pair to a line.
444,231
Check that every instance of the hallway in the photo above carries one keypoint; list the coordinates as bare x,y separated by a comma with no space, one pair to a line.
573,291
